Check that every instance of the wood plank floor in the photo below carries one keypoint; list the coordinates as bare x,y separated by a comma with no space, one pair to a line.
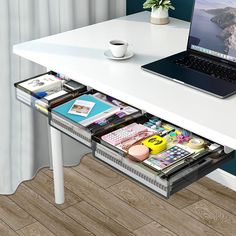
100,201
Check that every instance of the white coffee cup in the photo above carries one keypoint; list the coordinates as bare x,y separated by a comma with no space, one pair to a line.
118,48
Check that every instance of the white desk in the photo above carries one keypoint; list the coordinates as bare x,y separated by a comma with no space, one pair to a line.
79,55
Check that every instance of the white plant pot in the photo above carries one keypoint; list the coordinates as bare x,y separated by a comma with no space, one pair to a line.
159,16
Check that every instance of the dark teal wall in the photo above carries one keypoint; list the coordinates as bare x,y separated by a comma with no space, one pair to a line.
231,166
183,11
183,8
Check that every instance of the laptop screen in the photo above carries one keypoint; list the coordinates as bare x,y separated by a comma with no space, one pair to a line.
213,29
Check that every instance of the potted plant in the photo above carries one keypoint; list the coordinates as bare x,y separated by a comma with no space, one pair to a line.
160,10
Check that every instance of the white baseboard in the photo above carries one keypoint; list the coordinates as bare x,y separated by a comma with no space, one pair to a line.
224,178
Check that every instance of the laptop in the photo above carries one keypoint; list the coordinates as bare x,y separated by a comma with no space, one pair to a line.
209,63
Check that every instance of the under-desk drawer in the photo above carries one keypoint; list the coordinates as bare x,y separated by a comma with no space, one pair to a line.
47,90
172,178
106,112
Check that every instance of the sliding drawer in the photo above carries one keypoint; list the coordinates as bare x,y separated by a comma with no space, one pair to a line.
171,179
47,90
107,113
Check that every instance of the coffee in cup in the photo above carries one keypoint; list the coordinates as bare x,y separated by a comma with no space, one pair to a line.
118,48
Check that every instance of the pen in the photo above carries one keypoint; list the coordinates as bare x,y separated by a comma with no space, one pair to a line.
112,119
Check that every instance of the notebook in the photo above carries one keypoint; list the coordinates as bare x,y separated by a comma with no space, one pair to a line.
100,110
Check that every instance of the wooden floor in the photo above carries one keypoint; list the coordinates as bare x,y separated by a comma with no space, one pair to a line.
101,202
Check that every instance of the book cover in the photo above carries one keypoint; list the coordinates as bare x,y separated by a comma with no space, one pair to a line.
100,109
81,108
42,83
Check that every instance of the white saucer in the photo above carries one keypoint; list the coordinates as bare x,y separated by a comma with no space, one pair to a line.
109,55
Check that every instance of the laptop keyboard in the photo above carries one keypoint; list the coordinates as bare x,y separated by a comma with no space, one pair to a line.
208,67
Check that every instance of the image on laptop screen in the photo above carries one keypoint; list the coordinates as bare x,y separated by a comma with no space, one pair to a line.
213,29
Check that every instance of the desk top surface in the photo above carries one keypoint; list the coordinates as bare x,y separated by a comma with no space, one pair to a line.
79,54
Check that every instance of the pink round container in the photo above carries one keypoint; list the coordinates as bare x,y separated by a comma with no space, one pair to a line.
138,153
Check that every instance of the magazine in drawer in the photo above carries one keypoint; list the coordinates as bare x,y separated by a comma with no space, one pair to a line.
47,90
102,112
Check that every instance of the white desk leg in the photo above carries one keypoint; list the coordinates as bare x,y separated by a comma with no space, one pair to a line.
57,165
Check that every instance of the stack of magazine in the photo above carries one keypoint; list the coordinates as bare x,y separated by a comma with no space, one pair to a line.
86,109
41,86
52,99
88,114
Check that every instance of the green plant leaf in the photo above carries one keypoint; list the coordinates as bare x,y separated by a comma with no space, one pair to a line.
165,4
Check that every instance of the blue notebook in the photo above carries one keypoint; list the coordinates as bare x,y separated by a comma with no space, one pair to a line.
100,110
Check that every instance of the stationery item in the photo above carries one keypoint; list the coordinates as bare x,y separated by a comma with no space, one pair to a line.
100,110
41,94
161,128
155,121
183,136
55,95
112,119
118,136
42,84
81,108
173,135
118,48
155,143
161,131
138,153
168,157
149,125
167,127
41,108
74,86
127,109
178,131
186,133
196,143
214,147
136,140
182,139
53,99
